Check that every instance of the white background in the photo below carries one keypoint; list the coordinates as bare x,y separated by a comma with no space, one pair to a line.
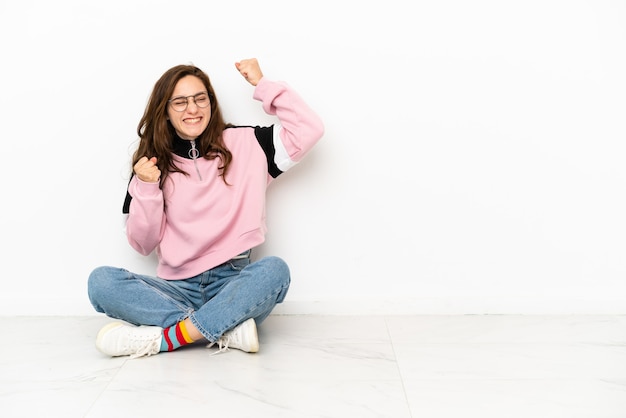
473,160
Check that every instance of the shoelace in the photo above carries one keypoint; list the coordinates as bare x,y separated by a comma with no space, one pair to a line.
223,343
142,349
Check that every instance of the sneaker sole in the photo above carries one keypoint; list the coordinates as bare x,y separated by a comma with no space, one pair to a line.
103,331
251,331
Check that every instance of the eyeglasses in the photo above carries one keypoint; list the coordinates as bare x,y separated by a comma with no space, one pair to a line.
180,104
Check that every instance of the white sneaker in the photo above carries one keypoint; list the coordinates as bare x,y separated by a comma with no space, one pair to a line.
243,337
117,339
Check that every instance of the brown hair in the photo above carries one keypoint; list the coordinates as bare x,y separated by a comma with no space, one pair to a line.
156,132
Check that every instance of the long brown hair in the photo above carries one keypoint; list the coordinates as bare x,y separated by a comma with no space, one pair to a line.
156,132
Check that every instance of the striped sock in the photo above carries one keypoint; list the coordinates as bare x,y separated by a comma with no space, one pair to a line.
174,337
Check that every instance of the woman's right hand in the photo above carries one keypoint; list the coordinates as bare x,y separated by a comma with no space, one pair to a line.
147,170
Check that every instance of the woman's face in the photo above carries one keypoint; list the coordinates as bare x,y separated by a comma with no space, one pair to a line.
189,108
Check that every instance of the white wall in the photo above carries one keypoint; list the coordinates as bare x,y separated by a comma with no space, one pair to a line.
473,160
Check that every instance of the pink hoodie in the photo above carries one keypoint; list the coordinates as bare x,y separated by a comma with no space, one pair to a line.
198,222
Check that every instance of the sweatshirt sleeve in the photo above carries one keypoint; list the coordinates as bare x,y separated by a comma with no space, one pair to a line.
300,127
145,216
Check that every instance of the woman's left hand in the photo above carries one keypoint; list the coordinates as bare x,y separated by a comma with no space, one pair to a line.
250,70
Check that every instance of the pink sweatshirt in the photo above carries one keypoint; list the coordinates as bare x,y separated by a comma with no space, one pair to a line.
198,222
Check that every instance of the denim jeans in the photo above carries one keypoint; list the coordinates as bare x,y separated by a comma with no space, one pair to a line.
216,301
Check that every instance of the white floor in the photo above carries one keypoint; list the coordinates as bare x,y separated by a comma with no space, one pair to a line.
328,367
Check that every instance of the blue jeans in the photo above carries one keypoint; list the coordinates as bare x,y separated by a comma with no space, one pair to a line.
216,301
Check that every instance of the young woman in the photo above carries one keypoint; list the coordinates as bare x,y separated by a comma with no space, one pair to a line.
197,197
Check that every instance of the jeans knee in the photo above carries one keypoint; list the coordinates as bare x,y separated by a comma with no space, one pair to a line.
99,284
279,276
279,268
